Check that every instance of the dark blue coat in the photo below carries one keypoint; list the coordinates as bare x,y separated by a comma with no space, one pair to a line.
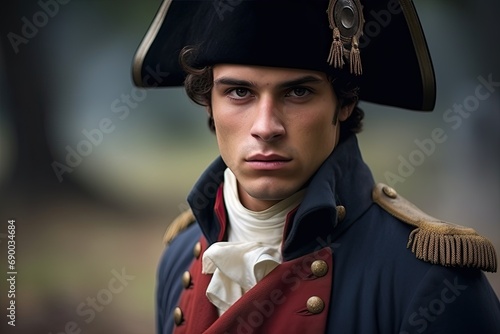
375,284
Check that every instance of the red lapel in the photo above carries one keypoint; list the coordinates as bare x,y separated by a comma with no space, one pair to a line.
293,298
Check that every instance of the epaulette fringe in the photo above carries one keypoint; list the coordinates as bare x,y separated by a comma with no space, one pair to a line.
178,225
452,249
436,241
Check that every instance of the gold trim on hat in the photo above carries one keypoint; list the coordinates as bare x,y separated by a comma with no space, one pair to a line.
424,60
146,43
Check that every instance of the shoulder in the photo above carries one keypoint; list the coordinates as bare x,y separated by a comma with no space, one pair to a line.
180,238
436,241
179,224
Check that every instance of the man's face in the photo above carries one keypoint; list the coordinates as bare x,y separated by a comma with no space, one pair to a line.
274,128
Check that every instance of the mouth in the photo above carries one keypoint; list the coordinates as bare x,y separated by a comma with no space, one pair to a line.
267,161
267,157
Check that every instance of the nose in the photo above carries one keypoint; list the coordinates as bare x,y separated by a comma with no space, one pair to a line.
267,125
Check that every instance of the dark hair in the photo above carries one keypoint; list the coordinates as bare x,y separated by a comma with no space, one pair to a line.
199,82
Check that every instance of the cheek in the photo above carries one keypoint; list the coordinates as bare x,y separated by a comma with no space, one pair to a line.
320,145
227,132
318,131
225,116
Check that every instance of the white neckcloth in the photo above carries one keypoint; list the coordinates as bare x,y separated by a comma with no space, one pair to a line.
253,248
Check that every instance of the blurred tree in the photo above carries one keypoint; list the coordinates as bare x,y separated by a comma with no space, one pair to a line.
27,101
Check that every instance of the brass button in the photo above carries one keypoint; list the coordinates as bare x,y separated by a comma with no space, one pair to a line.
340,212
186,279
390,192
197,250
315,305
178,316
319,268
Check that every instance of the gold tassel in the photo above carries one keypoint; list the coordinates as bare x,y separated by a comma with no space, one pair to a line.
355,58
463,250
336,50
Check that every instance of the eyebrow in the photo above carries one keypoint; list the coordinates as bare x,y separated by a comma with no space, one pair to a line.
233,82
286,84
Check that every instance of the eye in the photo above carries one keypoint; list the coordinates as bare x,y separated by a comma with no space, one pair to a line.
298,92
238,93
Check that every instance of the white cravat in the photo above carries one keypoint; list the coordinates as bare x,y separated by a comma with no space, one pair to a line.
253,248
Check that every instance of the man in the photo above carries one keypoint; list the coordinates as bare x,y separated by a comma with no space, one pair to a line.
292,235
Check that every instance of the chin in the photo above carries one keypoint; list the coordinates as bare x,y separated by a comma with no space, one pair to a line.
267,192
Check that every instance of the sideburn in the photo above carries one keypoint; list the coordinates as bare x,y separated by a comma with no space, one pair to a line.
336,114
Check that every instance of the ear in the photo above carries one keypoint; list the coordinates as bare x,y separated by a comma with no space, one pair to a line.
346,111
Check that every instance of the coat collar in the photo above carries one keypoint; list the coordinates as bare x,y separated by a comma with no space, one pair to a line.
343,179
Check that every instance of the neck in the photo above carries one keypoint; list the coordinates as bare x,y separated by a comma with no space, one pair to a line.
251,225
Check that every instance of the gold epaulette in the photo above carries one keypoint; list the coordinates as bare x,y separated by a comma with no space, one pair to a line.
437,241
178,225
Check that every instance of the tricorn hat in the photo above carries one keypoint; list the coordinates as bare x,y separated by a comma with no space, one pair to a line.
380,43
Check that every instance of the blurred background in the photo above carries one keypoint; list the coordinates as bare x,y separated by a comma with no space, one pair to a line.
65,71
